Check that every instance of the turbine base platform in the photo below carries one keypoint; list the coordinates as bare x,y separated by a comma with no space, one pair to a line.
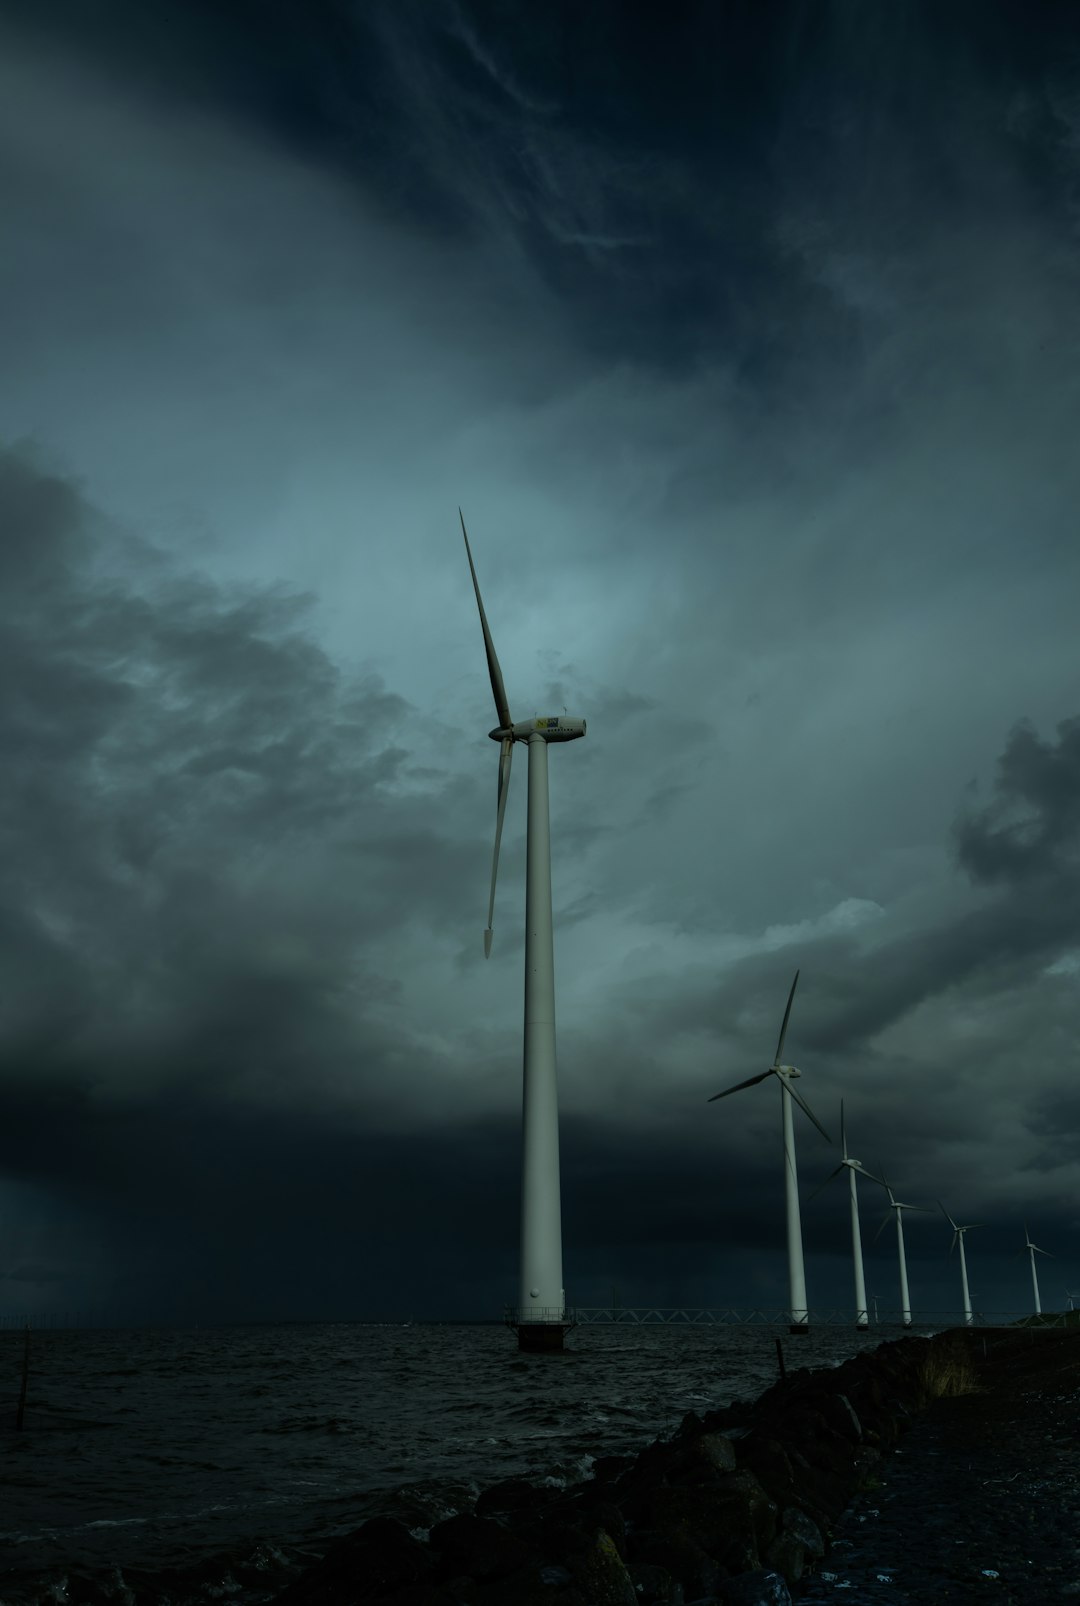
799,1327
543,1337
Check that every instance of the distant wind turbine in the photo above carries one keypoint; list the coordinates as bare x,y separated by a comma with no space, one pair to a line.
1070,1297
540,1317
896,1205
785,1074
958,1239
852,1167
1033,1250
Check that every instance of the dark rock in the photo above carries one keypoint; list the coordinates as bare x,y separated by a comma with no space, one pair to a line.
413,1595
601,1575
513,1494
741,1554
586,1509
787,1556
556,1576
533,1586
460,1590
702,1456
824,1494
556,1543
654,1586
768,1461
841,1416
691,1513
755,1589
867,1467
649,1471
479,1547
685,1560
606,1468
799,1525
718,1515
820,1444
375,1563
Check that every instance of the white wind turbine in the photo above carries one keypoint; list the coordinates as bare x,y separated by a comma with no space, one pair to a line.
1033,1250
540,1317
899,1207
785,1074
958,1239
853,1167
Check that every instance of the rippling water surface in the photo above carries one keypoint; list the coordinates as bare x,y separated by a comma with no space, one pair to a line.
224,1452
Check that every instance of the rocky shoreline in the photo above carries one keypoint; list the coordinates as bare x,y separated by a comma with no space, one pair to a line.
805,1493
737,1508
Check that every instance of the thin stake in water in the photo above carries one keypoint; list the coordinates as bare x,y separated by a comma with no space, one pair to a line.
21,1409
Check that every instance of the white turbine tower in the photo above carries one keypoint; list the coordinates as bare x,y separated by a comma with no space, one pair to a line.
958,1239
853,1167
1033,1250
540,1316
895,1204
798,1314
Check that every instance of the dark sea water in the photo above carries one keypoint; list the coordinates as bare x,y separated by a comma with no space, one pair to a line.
216,1460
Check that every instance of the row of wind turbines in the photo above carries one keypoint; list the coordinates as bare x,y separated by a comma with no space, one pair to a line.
797,1308
540,1316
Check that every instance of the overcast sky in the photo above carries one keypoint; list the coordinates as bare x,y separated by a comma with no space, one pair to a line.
748,342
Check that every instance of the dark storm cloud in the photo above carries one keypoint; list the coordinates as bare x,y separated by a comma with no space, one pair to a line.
856,985
206,825
1032,827
636,169
242,1214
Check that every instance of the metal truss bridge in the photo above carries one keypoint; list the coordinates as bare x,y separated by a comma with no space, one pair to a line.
726,1316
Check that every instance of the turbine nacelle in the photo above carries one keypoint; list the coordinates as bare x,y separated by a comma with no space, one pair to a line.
556,728
785,1073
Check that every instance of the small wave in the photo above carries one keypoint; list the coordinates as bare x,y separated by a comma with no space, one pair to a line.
575,1471
311,1424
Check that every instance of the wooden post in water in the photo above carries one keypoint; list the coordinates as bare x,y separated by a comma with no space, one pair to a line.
21,1408
780,1359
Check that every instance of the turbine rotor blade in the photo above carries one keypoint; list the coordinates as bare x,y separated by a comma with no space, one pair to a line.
863,1172
801,1102
750,1082
506,756
783,1029
825,1184
948,1218
843,1132
881,1229
502,707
